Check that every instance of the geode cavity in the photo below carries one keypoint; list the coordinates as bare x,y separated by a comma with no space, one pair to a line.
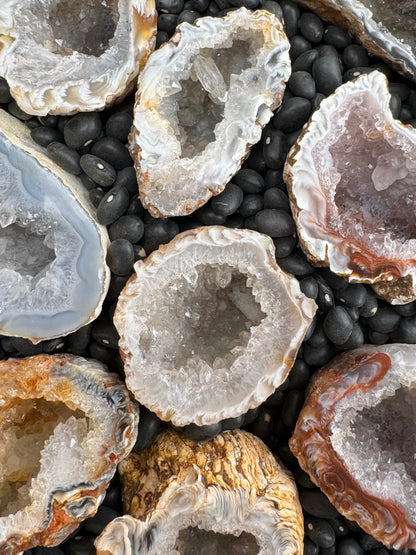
355,436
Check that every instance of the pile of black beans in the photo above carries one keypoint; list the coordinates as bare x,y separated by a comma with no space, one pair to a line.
93,146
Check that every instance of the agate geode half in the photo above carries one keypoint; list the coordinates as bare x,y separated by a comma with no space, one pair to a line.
227,495
65,423
355,436
209,325
351,177
53,275
202,101
65,56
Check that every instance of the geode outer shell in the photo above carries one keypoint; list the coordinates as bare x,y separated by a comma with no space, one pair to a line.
47,499
351,178
185,151
53,274
359,451
209,325
230,484
387,28
58,59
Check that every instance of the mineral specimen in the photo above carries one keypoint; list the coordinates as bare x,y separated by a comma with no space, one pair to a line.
385,27
65,56
225,496
65,424
351,180
53,276
355,437
202,101
209,325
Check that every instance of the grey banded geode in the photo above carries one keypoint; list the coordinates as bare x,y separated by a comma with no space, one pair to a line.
385,27
202,101
209,325
355,437
65,56
53,275
65,423
351,177
228,496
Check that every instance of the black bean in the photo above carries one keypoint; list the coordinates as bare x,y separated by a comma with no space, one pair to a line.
317,504
171,6
149,426
82,546
292,406
251,205
328,550
377,338
284,246
355,72
319,531
234,221
339,527
66,157
400,89
49,120
32,123
303,479
349,546
17,112
227,202
96,524
105,333
406,331
325,299
40,550
250,416
98,170
102,353
188,15
197,5
284,452
161,38
5,96
336,36
353,295
317,356
274,222
276,198
336,282
368,542
326,71
256,159
309,287
298,45
384,320
395,105
298,376
120,257
112,497
290,17
310,548
127,178
112,151
82,129
274,148
295,264
318,337
316,101
53,345
272,7
127,227
274,178
167,22
46,135
408,309
304,61
380,551
79,339
338,325
370,307
263,424
202,433
301,84
26,347
355,56
293,114
212,10
249,181
207,216
96,196
113,205
157,233
135,207
405,114
311,27
118,125
232,423
356,339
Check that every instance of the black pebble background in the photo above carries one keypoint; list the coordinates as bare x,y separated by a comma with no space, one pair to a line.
93,146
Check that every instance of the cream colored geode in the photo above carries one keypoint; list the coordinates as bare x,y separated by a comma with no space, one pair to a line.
227,495
65,56
209,325
202,101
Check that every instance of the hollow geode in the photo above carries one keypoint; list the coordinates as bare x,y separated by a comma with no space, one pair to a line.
351,181
65,424
53,275
65,56
355,437
228,496
202,101
209,325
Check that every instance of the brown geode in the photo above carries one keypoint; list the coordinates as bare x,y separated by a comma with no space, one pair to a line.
355,438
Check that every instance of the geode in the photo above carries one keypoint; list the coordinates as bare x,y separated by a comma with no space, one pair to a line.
53,275
209,325
65,424
202,101
226,496
65,56
351,181
355,437
385,27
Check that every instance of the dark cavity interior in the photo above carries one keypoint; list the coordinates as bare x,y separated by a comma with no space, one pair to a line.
24,430
23,251
392,422
198,105
377,186
193,541
84,26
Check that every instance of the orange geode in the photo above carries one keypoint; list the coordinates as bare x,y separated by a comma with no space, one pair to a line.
355,438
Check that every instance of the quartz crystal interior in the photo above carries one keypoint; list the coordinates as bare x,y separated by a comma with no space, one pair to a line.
202,101
385,27
351,180
65,56
65,423
209,325
355,437
53,276
226,496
